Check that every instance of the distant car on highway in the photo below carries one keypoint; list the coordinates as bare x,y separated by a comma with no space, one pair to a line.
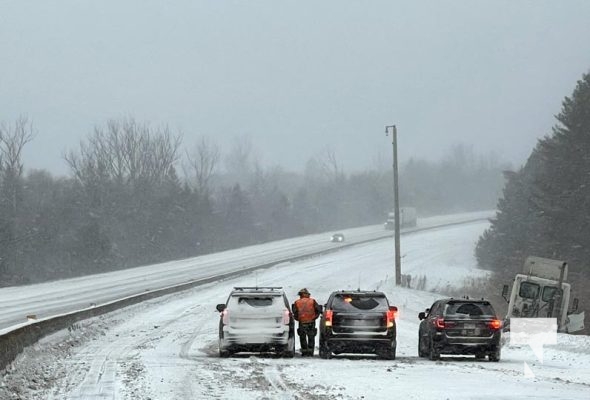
460,326
337,238
359,322
256,319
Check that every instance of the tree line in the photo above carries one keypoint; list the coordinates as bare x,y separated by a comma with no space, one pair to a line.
545,206
134,196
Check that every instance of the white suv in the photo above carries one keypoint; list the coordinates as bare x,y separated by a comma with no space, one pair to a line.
256,319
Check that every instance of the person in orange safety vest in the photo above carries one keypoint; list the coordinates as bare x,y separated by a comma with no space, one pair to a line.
306,310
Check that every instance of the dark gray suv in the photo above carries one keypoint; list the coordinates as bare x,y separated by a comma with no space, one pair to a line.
358,322
460,326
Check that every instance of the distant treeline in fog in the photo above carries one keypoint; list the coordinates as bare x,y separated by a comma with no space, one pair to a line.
135,196
545,207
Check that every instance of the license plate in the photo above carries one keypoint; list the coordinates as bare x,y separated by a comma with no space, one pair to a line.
469,326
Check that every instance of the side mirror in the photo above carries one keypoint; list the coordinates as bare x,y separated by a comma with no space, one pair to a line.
575,305
220,307
421,316
505,292
427,311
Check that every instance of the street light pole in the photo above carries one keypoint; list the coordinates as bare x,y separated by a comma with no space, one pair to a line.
398,260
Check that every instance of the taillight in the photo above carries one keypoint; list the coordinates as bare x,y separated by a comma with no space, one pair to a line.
225,316
439,323
495,324
390,315
286,317
328,316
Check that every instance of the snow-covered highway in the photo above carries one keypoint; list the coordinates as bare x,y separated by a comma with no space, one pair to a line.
167,348
51,298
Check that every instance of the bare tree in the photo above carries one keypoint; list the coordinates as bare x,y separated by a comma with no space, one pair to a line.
13,138
324,166
241,160
203,163
126,152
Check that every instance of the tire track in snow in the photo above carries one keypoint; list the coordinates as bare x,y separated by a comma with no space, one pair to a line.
98,379
273,376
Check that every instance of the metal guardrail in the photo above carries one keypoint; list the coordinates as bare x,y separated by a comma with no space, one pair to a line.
15,341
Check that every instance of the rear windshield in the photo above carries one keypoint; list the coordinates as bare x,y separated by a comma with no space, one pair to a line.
468,310
255,301
355,302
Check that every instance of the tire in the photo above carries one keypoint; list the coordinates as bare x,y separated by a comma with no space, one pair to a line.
223,353
325,351
421,353
495,356
433,354
326,354
289,350
388,353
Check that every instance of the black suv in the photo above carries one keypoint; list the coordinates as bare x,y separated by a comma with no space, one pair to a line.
460,326
358,322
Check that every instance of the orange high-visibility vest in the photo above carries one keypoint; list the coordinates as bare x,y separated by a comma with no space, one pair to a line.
306,311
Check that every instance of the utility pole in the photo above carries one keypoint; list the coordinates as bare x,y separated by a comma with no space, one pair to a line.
398,259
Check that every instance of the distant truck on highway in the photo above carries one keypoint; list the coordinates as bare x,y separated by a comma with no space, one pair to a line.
407,218
542,291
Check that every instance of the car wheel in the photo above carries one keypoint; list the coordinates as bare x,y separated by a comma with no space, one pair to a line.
289,350
388,353
433,354
325,351
495,356
223,352
421,353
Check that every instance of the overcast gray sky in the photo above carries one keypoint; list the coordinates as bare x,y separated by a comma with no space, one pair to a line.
295,76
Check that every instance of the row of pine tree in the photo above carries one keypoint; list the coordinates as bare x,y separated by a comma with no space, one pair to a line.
545,207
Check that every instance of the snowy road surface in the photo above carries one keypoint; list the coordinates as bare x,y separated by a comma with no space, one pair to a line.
167,348
51,298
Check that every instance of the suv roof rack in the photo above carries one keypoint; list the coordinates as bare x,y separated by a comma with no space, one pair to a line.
359,291
257,287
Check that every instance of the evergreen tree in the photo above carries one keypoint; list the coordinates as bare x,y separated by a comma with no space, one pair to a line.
545,210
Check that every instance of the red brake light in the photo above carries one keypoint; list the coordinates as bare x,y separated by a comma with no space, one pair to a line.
440,323
495,324
286,317
328,316
225,316
390,318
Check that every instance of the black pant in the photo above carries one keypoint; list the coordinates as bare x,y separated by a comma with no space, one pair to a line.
307,334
